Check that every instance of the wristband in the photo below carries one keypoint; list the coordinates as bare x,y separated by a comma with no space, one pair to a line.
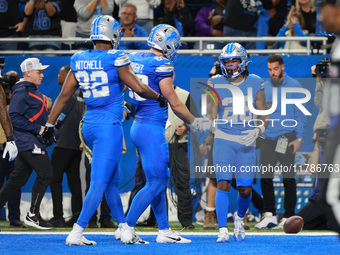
262,128
10,138
49,125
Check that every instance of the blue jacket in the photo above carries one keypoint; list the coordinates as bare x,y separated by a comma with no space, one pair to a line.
275,128
28,112
139,32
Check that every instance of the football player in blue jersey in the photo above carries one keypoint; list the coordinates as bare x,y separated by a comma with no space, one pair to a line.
155,68
100,73
235,134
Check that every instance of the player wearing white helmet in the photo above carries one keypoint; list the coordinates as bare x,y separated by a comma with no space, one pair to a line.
156,69
234,144
100,73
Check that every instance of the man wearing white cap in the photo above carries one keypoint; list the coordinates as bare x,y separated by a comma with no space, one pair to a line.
28,111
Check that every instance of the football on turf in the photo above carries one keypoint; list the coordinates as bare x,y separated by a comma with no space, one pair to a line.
293,225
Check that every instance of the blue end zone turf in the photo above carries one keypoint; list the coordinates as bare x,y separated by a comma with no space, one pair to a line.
201,244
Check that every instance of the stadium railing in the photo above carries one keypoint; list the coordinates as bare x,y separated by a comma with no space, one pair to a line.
200,51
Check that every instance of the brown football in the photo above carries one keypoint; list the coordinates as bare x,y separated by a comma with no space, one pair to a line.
293,225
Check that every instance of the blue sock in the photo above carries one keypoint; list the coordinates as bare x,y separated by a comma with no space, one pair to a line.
243,205
143,199
91,202
222,207
114,201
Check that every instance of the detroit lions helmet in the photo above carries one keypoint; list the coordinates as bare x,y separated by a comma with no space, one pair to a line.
233,51
165,38
106,28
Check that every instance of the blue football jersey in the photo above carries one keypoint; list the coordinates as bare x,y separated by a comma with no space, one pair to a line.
97,74
231,123
150,69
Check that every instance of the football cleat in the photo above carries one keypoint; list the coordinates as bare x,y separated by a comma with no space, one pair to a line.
170,236
118,233
76,237
239,233
223,236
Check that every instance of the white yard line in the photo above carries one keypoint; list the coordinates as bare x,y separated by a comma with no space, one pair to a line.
184,233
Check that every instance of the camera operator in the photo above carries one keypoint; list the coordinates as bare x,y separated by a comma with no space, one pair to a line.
330,183
9,147
313,215
6,166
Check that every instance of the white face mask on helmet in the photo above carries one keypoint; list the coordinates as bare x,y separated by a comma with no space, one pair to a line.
233,51
106,28
166,39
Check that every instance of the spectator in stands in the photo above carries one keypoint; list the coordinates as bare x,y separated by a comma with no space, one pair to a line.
10,25
278,15
44,21
87,11
145,9
293,27
129,28
176,14
240,18
66,157
68,20
208,22
308,11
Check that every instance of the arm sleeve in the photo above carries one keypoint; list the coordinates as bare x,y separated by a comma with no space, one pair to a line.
301,121
17,109
282,32
318,96
299,32
108,9
80,8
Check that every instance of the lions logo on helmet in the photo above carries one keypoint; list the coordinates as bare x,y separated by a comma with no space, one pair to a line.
106,28
233,51
166,39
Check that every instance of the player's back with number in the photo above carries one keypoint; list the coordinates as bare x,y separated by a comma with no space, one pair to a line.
150,69
97,74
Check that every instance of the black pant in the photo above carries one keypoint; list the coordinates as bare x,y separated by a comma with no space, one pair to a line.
314,216
140,181
269,157
6,168
180,173
105,212
331,158
66,160
25,162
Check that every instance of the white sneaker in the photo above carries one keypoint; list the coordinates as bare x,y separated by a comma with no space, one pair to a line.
223,236
282,222
268,221
170,236
76,237
239,233
118,233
